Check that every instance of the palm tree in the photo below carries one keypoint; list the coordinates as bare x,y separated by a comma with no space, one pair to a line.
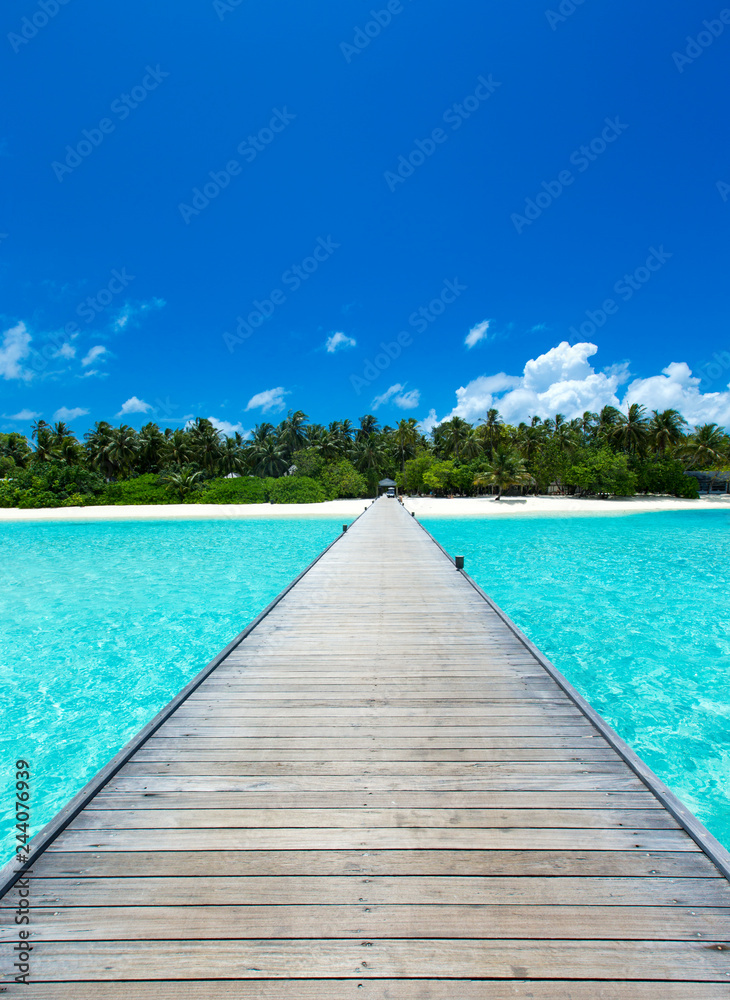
531,438
506,469
98,443
368,425
60,430
69,450
44,449
205,444
451,436
151,443
608,420
588,426
491,431
268,456
292,432
406,436
666,430
36,427
176,449
708,446
631,432
232,458
122,449
182,481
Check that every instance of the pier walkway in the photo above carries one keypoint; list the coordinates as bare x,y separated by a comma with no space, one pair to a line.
381,793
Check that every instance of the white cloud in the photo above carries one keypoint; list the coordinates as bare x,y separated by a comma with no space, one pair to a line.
477,333
66,351
227,428
131,311
408,400
93,354
268,401
428,423
66,414
396,394
677,388
563,381
134,405
22,415
339,342
14,349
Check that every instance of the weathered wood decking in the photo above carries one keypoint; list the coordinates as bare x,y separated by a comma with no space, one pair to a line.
380,793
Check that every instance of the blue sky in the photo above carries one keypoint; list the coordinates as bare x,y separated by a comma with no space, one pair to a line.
227,208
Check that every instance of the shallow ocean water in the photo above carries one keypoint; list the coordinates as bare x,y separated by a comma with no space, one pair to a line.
101,623
635,611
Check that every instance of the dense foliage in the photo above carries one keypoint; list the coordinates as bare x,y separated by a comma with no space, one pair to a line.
606,453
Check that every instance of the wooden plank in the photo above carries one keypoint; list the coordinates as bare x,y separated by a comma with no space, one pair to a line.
383,989
184,752
367,817
372,863
516,772
114,799
482,922
373,958
224,776
464,890
396,838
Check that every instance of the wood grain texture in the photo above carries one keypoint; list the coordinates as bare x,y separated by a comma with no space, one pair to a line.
380,792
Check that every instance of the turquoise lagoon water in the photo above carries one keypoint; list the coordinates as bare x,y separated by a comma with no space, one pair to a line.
101,623
635,611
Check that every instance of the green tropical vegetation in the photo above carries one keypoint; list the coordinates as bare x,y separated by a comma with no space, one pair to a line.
606,453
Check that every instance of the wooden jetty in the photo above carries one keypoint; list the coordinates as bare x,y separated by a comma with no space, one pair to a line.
382,791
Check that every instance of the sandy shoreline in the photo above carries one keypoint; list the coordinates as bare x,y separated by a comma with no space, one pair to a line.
510,506
349,509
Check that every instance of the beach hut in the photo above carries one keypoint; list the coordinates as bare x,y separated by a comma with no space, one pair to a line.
386,484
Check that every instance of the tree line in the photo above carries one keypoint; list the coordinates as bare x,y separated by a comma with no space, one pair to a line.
600,453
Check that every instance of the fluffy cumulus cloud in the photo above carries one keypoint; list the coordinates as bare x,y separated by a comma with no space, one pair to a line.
677,388
134,405
23,415
477,334
94,354
339,342
563,380
397,395
268,401
67,351
14,350
228,429
68,414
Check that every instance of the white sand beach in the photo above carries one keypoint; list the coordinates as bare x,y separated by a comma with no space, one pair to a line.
509,506
350,509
